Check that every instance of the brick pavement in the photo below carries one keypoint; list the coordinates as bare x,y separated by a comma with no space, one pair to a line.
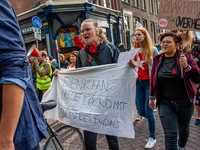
142,134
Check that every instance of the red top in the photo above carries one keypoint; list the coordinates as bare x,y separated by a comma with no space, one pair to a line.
143,72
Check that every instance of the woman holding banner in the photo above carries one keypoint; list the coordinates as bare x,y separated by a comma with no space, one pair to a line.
191,46
173,93
97,51
72,57
144,60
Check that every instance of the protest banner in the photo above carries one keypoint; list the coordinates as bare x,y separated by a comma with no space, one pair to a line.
179,15
99,99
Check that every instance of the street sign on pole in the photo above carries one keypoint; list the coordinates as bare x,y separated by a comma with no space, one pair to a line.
37,33
37,23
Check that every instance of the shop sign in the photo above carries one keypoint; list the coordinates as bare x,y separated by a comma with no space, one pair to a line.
27,30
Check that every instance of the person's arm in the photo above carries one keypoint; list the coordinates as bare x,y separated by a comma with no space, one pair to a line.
12,101
151,90
43,72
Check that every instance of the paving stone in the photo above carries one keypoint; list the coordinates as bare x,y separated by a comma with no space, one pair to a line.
142,134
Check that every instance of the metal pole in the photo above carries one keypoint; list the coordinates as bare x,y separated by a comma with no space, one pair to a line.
57,52
37,44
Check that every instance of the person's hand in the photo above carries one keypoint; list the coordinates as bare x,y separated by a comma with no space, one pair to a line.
183,61
132,63
36,62
151,103
55,73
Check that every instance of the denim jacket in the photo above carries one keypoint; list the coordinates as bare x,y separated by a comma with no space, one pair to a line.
14,64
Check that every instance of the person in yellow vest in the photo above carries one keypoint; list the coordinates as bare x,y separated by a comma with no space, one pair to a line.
43,74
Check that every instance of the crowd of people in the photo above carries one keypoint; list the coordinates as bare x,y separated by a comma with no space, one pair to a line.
168,78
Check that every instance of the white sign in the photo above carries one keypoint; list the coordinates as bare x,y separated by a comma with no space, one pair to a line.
36,30
99,99
125,57
37,33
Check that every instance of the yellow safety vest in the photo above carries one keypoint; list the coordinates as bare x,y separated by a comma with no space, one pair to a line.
44,83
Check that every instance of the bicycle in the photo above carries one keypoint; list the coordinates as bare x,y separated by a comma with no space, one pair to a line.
65,137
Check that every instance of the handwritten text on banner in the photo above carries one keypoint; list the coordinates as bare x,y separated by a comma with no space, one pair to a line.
99,99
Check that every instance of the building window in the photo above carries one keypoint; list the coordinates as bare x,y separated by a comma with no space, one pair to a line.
135,22
126,1
135,3
107,3
144,23
153,32
93,1
142,5
150,6
156,7
127,31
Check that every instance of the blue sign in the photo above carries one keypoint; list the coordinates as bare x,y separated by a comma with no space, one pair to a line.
36,22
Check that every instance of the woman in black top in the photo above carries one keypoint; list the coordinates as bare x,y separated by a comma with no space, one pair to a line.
98,51
174,93
63,63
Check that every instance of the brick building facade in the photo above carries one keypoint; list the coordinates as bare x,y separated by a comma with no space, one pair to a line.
117,18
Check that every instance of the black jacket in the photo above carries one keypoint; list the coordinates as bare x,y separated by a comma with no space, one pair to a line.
64,64
106,53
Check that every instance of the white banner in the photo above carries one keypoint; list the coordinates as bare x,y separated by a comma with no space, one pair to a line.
99,99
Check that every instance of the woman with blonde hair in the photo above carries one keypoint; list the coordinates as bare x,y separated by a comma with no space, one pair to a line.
63,63
187,41
192,47
97,51
144,60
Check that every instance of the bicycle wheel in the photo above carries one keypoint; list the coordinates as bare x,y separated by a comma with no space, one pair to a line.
69,137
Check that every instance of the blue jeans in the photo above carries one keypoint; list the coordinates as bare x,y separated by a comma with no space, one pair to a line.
175,119
90,139
142,101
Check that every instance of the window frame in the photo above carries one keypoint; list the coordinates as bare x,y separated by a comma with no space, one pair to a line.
144,5
143,20
92,1
127,42
151,10
105,4
137,5
152,25
156,7
125,1
134,22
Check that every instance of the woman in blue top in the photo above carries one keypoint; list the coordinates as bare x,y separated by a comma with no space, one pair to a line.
22,125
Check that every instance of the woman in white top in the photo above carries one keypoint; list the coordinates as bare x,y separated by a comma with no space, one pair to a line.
73,56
